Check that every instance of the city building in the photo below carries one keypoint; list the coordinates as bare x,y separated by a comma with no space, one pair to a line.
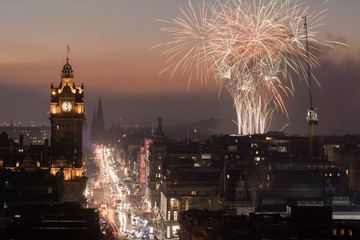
42,185
66,118
17,156
187,188
35,135
245,174
143,167
300,222
51,221
156,160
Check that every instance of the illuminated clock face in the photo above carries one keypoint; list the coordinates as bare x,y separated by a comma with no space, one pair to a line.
66,106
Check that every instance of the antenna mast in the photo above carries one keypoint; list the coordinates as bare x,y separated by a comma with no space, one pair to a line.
311,117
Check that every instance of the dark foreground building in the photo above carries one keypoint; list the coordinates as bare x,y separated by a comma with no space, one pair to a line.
50,221
301,223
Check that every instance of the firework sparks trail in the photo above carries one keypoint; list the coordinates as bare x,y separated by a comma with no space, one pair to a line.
253,47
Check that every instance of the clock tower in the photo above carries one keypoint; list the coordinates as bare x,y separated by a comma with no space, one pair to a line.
66,117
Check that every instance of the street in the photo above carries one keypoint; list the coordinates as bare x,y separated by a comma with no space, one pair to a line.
114,193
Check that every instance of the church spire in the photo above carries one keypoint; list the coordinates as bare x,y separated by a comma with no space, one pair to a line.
159,130
159,134
98,124
100,118
93,126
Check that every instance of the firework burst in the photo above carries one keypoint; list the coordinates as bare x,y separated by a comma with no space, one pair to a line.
253,47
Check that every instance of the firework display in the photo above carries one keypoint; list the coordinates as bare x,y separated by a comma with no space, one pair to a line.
252,47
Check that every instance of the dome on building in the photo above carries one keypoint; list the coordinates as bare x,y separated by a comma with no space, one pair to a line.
67,71
296,182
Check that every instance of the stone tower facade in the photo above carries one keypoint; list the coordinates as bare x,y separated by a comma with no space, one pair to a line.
67,117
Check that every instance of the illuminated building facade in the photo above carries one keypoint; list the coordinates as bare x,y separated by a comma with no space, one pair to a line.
184,189
67,117
158,152
144,161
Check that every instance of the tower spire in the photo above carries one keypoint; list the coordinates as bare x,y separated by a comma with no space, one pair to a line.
93,126
67,52
100,123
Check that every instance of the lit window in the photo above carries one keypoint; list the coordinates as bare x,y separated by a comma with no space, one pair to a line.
169,214
49,190
228,176
342,232
175,215
159,167
334,232
257,159
57,127
330,174
175,230
193,192
350,233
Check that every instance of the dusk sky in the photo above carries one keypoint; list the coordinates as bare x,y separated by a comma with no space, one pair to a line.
110,42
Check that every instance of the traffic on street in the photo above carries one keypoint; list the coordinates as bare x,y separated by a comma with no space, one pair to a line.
114,193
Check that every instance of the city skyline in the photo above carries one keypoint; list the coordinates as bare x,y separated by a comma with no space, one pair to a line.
110,54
